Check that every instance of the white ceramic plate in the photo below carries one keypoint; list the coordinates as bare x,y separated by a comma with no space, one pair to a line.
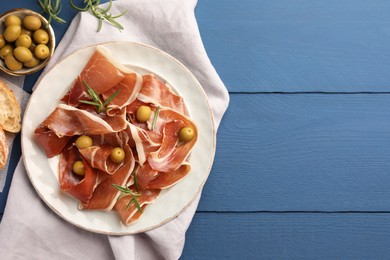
43,173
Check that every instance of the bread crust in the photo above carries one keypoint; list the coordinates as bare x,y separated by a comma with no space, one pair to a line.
10,112
3,149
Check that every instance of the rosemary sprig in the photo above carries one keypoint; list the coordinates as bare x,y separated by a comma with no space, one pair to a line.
97,102
126,191
155,118
136,181
134,199
52,8
100,13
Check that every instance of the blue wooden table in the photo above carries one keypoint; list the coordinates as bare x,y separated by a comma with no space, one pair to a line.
302,168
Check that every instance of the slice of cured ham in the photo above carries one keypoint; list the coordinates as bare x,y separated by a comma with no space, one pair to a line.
145,142
98,157
102,72
105,195
128,88
76,93
156,92
171,153
51,143
79,187
166,180
68,121
145,174
129,212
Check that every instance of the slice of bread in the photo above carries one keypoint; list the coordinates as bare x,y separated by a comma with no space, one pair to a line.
9,110
3,149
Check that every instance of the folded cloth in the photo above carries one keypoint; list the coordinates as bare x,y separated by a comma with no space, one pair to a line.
29,229
15,84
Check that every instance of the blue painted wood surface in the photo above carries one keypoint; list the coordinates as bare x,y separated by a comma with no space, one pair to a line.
288,236
298,45
303,154
279,152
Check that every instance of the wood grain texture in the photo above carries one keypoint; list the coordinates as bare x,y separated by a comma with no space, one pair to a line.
311,152
288,236
298,45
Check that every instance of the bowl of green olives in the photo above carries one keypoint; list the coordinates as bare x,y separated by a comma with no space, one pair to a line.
27,42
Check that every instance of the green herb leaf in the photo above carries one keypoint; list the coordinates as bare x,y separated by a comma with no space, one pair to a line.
122,189
80,9
137,204
111,97
100,13
52,8
136,181
92,92
89,102
125,192
155,118
96,101
128,204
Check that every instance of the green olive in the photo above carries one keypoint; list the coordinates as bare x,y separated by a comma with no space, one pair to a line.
27,32
2,41
12,20
12,63
32,23
22,54
41,36
41,51
186,134
32,63
83,142
79,168
7,49
23,40
117,155
143,114
12,32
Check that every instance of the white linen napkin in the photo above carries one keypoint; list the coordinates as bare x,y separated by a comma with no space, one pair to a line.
29,229
16,85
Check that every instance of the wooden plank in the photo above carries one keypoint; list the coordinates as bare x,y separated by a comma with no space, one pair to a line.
288,236
298,45
309,152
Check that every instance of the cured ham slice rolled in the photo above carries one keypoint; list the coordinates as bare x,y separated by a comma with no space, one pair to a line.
79,187
99,158
98,155
172,153
129,212
105,195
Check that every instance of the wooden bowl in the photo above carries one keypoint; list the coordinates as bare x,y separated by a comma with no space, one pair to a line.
21,13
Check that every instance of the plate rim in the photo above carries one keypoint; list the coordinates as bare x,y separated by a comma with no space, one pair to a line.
123,232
